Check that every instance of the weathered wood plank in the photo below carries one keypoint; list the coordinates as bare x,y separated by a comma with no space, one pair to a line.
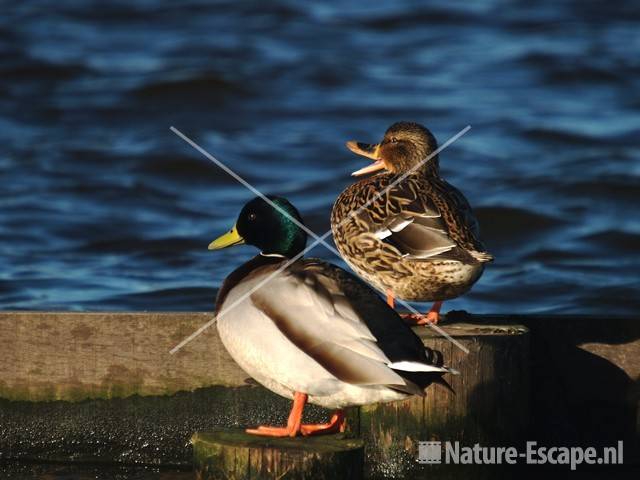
75,356
235,455
81,360
78,356
490,405
583,369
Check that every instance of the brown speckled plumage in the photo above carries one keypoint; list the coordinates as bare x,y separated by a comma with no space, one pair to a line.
420,239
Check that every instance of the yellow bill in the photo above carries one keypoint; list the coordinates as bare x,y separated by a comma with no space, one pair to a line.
232,237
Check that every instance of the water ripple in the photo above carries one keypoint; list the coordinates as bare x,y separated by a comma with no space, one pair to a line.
102,207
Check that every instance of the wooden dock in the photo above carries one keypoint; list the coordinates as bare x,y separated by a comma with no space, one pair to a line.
103,387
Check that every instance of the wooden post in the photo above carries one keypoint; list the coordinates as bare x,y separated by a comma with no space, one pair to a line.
234,454
490,405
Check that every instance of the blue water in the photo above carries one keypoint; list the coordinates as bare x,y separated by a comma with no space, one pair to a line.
103,208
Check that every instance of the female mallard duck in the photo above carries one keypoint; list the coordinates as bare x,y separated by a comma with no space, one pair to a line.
311,331
416,239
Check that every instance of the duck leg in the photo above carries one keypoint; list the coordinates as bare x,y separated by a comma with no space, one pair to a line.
293,423
391,301
335,425
295,426
432,317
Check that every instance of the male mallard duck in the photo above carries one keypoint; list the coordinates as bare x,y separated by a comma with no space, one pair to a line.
313,332
418,240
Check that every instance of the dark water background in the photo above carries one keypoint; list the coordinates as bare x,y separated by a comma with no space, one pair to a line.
103,208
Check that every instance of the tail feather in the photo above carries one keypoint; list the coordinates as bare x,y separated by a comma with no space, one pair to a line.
411,366
482,257
445,384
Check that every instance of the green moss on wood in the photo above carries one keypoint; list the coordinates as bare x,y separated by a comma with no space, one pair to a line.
239,438
71,390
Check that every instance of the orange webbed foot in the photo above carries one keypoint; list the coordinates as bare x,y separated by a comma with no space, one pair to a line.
337,424
413,319
431,318
293,423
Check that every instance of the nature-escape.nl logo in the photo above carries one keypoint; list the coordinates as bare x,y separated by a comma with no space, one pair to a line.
455,454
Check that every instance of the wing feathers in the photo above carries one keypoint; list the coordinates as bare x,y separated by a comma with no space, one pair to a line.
420,241
345,348
309,305
432,204
318,318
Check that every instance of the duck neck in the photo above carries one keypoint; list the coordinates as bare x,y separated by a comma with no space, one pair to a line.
289,244
431,168
420,168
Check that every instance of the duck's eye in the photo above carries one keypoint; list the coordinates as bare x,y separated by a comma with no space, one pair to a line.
393,140
252,216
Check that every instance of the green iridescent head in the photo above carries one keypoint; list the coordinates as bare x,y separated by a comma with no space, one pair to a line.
266,227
